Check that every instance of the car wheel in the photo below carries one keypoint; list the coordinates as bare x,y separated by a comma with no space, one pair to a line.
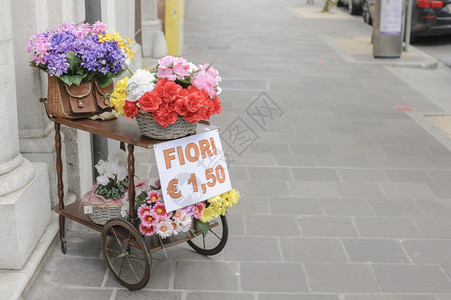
366,13
353,9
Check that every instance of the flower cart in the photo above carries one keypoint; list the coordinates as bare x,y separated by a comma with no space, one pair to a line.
170,101
126,251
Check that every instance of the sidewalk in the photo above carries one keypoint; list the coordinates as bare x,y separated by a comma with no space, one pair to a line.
344,181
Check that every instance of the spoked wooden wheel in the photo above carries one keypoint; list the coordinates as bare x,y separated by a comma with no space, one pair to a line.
215,239
126,254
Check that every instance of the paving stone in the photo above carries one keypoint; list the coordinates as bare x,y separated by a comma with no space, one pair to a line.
219,296
364,175
72,272
264,188
270,174
312,250
310,149
436,207
237,172
439,176
428,251
297,296
211,275
250,206
358,190
314,174
57,293
295,160
269,148
313,189
294,206
147,294
338,161
415,176
260,225
356,150
412,279
399,162
395,208
341,278
236,224
375,251
346,207
389,297
387,227
442,190
278,277
434,228
322,226
407,191
252,249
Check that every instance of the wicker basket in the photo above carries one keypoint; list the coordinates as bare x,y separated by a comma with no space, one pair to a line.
102,211
148,127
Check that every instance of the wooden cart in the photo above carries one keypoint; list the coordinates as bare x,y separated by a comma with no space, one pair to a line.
126,251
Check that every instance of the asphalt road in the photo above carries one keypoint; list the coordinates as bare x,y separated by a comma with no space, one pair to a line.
437,46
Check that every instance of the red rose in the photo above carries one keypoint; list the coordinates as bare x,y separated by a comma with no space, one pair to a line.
165,118
150,101
130,108
170,90
196,99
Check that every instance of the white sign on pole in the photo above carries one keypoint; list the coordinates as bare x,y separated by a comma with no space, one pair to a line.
391,16
192,169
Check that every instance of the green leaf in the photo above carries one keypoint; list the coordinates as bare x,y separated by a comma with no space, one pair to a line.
205,227
72,79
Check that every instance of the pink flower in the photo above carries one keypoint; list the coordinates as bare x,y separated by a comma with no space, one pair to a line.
157,184
166,61
198,210
147,230
149,218
142,210
160,209
164,229
180,67
167,73
153,197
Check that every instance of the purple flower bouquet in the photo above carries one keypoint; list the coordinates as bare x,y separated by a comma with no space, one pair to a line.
76,55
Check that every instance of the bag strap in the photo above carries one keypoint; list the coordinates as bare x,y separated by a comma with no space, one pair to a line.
68,90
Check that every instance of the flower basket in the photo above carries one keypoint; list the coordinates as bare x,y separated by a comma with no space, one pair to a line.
103,209
149,128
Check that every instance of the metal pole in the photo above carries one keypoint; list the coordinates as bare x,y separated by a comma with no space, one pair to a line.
408,24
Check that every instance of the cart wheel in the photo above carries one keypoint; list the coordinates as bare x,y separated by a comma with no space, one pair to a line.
126,254
214,241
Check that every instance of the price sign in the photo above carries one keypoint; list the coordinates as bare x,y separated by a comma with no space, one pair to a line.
192,169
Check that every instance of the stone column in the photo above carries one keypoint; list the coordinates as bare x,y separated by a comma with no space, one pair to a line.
24,187
153,40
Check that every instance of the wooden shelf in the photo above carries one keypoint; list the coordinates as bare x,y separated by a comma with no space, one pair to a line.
122,129
73,212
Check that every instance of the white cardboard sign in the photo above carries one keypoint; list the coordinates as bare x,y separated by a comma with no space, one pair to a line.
192,169
391,16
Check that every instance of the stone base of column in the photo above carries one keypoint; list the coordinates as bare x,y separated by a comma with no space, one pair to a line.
41,148
24,215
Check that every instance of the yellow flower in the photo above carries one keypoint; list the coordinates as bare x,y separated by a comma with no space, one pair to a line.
233,197
117,100
126,46
207,214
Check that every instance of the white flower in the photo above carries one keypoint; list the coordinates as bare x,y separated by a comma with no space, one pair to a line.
101,167
102,180
124,209
142,81
164,229
118,157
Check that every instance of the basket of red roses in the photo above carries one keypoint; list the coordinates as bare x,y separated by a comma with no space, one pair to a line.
169,100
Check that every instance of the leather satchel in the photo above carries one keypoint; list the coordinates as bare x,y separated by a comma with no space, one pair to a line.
75,102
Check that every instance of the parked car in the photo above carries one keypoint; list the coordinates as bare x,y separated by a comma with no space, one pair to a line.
354,6
429,17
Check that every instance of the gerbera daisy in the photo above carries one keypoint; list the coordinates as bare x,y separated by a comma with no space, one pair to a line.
164,229
147,230
198,210
159,209
143,209
153,197
207,214
149,218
